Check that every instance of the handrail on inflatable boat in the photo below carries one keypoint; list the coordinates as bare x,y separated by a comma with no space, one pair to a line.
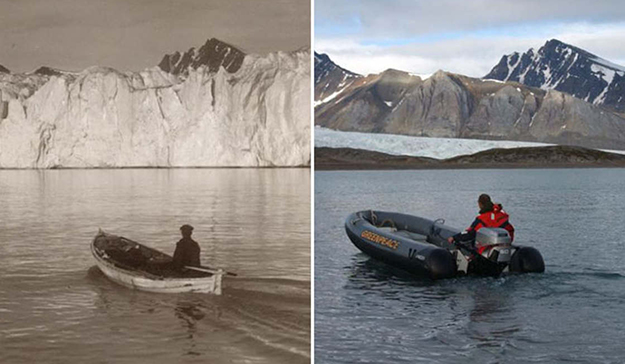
433,229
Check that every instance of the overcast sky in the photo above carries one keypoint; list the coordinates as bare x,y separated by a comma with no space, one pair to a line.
467,37
135,34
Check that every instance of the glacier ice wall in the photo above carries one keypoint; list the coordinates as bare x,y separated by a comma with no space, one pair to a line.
258,116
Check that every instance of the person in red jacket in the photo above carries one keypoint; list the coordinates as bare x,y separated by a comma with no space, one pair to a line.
491,215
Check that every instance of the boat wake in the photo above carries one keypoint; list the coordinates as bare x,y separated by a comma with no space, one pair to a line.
259,320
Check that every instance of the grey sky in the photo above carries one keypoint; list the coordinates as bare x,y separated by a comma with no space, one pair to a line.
135,34
467,37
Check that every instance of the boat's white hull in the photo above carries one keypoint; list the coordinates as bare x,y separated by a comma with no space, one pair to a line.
140,282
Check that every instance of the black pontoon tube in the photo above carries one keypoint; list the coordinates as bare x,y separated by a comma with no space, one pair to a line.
420,246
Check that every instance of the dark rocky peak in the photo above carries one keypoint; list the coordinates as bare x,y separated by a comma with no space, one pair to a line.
330,78
555,49
216,53
4,69
169,61
325,67
213,54
321,58
47,71
564,67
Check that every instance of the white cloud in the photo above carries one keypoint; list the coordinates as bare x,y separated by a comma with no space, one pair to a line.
471,54
376,19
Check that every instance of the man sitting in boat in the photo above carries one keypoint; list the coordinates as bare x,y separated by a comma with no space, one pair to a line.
187,250
491,215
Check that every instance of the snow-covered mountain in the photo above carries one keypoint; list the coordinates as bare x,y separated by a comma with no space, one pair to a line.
213,54
330,79
449,105
258,115
563,67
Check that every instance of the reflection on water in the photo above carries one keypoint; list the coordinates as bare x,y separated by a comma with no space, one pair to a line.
55,304
493,319
189,314
489,322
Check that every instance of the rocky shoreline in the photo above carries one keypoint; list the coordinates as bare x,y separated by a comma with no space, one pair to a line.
559,156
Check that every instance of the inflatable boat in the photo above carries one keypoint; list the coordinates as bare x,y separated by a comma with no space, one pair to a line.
420,246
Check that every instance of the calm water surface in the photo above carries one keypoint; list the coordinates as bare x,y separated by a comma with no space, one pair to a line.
56,306
367,312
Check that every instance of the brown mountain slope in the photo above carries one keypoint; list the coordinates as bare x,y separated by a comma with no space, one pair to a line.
456,106
530,157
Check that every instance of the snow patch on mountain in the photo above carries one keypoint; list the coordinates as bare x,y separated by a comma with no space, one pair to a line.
609,64
422,76
563,67
492,80
329,97
330,79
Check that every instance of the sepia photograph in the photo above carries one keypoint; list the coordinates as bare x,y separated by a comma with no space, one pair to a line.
155,181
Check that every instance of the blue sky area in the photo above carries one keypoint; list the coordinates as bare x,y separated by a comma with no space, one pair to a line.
467,37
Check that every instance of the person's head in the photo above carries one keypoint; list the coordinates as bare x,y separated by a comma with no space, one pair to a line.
484,202
186,230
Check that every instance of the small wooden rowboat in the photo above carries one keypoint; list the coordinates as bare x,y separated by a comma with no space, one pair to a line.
140,267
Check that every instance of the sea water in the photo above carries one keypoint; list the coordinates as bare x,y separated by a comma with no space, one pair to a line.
369,312
57,307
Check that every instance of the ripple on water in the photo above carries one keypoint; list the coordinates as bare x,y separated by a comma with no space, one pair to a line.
55,306
368,312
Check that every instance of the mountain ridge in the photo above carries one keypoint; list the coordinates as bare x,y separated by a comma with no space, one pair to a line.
213,54
525,157
567,68
329,77
457,106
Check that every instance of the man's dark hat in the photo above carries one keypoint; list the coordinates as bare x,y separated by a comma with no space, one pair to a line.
186,227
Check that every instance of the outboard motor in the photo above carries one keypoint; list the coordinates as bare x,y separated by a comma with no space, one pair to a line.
494,244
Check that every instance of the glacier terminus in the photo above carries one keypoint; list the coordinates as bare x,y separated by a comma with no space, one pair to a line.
215,110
